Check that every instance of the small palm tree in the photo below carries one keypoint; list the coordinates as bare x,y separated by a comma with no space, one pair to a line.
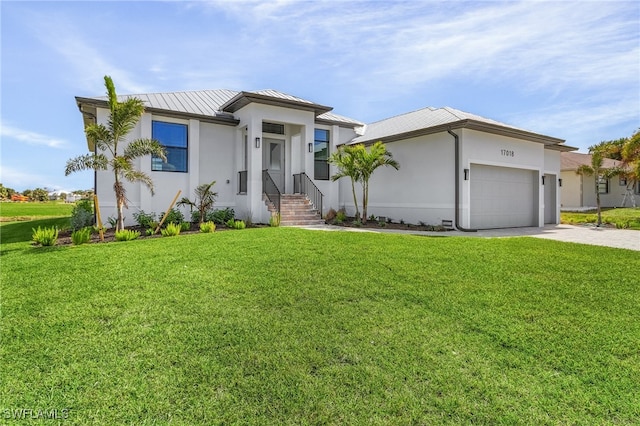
108,139
368,162
205,198
631,157
345,160
595,169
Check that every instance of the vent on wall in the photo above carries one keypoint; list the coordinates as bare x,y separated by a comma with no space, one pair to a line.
274,128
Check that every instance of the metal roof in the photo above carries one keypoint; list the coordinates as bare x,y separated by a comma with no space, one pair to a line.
221,103
434,120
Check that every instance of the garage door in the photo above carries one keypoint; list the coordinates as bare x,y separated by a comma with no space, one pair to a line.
503,197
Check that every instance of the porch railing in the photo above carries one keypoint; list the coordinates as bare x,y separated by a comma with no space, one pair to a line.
270,189
302,184
242,182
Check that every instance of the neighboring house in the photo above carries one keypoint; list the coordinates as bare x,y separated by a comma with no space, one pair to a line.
454,166
579,192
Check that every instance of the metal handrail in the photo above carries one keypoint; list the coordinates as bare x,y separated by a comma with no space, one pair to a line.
270,189
302,184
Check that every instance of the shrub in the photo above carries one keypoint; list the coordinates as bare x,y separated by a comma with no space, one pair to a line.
236,224
357,223
207,227
274,220
341,216
372,218
45,236
81,236
112,221
185,226
174,216
149,232
220,216
171,230
382,224
146,220
81,215
126,235
330,216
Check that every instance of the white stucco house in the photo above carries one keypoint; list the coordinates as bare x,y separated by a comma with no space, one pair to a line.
579,192
456,167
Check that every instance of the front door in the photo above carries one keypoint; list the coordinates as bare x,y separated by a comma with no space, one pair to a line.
273,161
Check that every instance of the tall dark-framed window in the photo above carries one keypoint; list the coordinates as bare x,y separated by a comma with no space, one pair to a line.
603,185
321,155
173,137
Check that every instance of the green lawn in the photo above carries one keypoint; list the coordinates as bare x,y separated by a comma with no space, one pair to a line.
628,218
288,326
10,211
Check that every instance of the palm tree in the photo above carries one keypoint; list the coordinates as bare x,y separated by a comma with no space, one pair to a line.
107,139
631,157
367,162
345,160
595,169
205,198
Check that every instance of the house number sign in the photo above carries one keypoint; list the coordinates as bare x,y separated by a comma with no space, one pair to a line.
507,153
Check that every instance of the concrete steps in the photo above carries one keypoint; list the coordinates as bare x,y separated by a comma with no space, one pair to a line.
296,210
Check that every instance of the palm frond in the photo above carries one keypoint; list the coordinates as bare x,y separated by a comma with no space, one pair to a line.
133,175
585,170
141,147
101,136
86,162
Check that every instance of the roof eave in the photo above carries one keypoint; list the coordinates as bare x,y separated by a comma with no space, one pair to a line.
227,120
243,99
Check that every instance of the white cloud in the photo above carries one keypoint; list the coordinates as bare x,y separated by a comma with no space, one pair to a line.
32,138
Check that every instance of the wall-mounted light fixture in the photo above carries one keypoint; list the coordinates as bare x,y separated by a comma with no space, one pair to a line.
257,142
466,174
559,182
310,147
543,179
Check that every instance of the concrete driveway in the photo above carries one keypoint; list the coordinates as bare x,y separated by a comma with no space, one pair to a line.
608,237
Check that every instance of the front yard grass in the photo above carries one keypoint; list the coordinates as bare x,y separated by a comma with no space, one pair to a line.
626,218
14,211
288,326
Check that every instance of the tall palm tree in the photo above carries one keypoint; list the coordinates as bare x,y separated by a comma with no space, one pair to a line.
595,169
345,160
108,139
367,162
631,157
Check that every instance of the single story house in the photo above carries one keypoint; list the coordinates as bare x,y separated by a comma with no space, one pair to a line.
579,191
262,147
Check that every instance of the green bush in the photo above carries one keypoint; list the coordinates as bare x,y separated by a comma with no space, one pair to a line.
341,216
174,216
239,224
207,227
81,215
146,220
221,216
81,236
171,230
185,226
126,235
149,232
45,236
274,220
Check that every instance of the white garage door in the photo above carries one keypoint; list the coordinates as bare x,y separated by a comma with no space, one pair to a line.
503,197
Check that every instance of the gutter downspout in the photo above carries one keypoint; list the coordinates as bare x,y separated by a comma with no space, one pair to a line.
457,182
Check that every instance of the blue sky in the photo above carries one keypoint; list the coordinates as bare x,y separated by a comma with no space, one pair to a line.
565,69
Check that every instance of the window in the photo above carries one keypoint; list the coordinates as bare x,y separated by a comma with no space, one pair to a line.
321,155
622,181
274,128
174,139
603,186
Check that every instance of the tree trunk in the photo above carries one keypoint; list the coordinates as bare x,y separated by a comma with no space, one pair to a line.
355,198
598,201
365,200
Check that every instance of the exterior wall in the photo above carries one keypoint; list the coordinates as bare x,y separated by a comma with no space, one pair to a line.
421,191
210,154
579,191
